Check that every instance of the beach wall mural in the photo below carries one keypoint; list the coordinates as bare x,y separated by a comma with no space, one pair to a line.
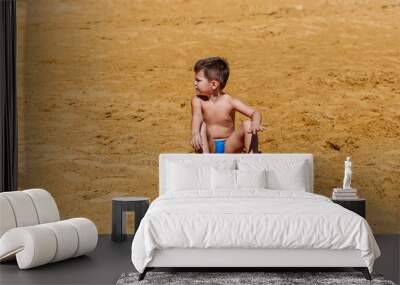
104,87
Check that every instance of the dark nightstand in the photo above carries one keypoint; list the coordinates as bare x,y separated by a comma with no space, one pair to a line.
355,205
121,205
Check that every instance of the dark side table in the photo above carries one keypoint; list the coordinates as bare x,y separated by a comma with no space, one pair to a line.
121,205
356,205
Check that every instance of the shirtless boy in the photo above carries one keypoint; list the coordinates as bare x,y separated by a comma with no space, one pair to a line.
213,110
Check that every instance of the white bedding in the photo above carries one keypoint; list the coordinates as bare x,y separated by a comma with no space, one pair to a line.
251,218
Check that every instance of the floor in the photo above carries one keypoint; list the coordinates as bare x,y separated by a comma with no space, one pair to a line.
110,260
103,266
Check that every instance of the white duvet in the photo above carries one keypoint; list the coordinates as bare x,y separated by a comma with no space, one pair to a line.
250,219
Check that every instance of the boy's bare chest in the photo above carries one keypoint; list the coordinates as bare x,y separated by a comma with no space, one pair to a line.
217,111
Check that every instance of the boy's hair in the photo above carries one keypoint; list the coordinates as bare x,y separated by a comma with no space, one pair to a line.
215,68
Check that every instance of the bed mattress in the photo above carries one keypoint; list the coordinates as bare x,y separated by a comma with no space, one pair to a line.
250,219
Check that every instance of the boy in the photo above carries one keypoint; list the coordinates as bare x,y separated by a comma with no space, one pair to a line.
213,110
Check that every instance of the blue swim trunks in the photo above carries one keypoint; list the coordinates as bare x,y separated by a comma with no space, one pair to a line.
219,145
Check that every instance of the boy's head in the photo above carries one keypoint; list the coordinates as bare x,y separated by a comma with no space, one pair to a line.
215,70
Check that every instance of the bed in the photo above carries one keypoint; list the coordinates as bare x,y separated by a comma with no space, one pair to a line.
247,210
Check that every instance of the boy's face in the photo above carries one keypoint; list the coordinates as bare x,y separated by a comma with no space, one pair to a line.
203,86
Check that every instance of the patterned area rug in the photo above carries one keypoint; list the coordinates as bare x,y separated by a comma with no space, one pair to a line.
270,278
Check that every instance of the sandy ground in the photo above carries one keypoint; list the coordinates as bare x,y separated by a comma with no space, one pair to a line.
105,86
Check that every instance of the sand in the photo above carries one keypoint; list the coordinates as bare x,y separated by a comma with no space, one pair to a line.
105,86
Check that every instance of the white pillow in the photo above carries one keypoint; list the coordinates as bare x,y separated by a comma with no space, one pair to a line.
181,178
290,174
293,179
185,174
223,179
251,178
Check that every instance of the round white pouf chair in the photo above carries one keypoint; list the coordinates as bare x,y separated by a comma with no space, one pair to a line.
31,230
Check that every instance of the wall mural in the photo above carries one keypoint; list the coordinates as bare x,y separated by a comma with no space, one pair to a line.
104,87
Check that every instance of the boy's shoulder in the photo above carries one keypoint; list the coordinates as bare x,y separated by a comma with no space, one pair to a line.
199,98
229,97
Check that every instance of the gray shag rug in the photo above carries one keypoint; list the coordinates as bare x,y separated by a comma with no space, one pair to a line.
270,278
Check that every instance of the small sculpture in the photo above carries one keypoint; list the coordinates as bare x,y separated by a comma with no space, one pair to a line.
347,174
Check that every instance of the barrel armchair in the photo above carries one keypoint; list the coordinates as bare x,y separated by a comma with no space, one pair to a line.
31,231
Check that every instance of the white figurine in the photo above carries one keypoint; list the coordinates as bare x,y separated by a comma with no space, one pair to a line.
347,174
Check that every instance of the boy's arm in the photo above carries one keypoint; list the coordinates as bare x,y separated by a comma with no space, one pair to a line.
250,113
197,116
197,120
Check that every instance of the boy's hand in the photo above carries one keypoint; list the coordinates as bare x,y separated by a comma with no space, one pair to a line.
197,142
256,127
